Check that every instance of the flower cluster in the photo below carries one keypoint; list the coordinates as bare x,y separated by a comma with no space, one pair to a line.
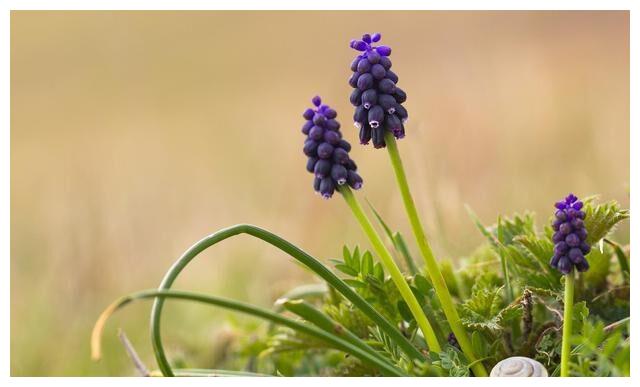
328,152
569,237
376,97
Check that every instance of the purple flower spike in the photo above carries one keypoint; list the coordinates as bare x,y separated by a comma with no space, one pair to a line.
569,237
327,152
377,98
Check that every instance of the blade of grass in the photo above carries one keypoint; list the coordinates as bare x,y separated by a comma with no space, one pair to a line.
301,292
307,260
333,340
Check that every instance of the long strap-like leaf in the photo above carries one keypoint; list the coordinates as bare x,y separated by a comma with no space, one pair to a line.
294,252
383,366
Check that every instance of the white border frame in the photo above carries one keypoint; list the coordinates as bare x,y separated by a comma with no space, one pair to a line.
7,6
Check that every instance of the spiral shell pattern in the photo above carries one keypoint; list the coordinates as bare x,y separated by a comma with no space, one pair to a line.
519,366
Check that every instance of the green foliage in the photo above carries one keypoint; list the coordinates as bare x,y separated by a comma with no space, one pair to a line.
601,219
507,296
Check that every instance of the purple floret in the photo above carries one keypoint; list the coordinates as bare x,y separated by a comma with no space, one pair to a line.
569,238
377,99
327,152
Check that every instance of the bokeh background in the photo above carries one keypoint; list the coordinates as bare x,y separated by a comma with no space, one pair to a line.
134,134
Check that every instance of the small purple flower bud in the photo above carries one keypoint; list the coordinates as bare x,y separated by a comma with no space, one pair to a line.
561,205
351,165
402,113
585,248
360,45
340,156
330,113
332,137
577,205
383,50
327,187
360,114
307,126
561,215
356,97
555,225
365,81
339,174
393,123
581,233
354,180
561,248
310,148
554,260
369,98
582,266
316,133
378,71
319,119
322,168
308,114
565,228
571,198
572,240
316,100
311,163
376,37
377,135
386,86
564,265
366,38
354,64
373,57
387,102
376,115
392,76
557,237
364,66
344,145
353,79
400,95
385,62
453,341
332,124
575,255
325,150
365,134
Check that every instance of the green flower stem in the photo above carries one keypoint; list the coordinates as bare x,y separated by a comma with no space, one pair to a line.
307,260
569,283
339,343
437,279
394,271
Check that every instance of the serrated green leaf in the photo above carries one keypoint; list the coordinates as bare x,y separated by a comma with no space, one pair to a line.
355,283
601,219
346,270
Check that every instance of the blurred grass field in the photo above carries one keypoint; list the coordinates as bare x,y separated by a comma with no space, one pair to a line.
134,134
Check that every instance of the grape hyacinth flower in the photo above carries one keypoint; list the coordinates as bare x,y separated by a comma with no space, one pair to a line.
327,151
569,237
377,99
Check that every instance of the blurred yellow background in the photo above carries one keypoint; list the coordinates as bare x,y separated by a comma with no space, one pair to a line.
134,134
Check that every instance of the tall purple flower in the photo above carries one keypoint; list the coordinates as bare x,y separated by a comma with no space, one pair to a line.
570,236
377,99
327,151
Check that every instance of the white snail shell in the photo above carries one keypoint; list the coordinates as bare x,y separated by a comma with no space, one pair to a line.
519,366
